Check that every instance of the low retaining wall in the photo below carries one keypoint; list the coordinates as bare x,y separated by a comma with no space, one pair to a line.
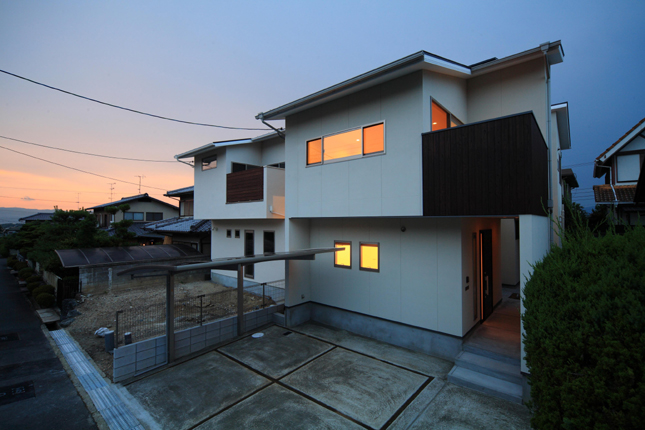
50,278
137,358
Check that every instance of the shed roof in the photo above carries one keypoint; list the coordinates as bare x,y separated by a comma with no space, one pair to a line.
124,254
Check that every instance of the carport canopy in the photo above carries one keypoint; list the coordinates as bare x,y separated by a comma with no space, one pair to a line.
124,254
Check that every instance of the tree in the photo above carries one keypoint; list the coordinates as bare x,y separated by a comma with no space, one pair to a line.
122,236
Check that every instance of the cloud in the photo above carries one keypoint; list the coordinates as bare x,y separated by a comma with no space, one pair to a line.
27,198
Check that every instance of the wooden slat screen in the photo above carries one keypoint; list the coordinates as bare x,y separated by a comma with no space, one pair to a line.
245,186
496,167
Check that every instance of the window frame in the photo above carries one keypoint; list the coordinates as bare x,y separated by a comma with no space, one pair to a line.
237,234
149,214
360,255
208,166
264,242
351,157
451,117
228,233
182,207
343,242
133,213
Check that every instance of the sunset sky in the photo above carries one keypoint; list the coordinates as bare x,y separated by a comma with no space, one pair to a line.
223,62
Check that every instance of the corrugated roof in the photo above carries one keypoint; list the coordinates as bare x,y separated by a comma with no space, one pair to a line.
180,225
124,254
41,216
624,193
130,199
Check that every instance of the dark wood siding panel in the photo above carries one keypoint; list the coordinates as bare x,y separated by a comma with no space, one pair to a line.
245,186
497,167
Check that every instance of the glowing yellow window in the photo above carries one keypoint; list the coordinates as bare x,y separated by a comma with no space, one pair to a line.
369,257
343,258
314,151
439,117
343,145
373,139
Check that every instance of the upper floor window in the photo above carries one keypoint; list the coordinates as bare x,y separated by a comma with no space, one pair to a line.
356,143
134,216
154,216
343,258
209,162
441,118
628,167
186,207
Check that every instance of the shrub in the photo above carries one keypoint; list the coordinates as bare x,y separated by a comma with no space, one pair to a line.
45,300
20,265
585,332
33,285
34,278
11,261
25,272
43,288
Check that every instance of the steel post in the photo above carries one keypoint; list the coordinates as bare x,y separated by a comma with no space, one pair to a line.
170,316
240,300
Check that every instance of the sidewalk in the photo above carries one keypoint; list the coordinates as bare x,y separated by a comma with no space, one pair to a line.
38,394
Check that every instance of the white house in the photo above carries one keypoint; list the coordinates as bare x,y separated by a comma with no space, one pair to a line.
409,168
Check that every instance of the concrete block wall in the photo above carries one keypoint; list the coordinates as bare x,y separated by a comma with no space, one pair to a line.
137,358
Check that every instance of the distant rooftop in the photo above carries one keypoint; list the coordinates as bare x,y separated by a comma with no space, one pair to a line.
41,216
180,225
131,199
180,191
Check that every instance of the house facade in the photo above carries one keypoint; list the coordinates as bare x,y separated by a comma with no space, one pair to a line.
621,165
143,208
409,170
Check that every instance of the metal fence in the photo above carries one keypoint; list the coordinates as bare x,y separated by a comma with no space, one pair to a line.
149,320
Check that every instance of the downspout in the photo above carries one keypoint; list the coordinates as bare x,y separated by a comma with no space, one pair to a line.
280,131
545,50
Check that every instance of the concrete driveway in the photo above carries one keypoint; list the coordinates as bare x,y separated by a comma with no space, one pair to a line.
314,377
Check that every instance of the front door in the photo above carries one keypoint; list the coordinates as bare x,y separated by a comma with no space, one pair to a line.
249,251
486,271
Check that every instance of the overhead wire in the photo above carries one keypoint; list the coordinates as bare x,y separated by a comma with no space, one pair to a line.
45,200
83,171
87,153
52,189
132,110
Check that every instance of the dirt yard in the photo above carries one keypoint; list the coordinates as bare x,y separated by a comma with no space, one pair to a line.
100,311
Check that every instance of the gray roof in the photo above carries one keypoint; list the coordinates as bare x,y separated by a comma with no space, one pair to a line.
108,255
41,216
138,229
181,191
131,199
180,225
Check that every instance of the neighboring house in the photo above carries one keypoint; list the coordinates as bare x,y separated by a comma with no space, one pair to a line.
41,216
569,182
239,185
143,208
410,169
621,165
184,229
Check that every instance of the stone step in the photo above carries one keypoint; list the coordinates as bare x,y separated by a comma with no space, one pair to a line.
486,384
490,366
490,354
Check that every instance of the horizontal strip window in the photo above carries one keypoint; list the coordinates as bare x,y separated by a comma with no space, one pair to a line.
154,216
134,216
355,143
370,257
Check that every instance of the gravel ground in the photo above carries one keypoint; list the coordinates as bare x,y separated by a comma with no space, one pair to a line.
99,311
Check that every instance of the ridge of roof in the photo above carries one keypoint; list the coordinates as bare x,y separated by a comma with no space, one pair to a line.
620,138
129,199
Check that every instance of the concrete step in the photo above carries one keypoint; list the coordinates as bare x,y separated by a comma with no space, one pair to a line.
278,319
490,354
486,384
490,366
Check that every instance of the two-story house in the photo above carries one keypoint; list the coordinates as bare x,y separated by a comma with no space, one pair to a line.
621,165
239,186
409,170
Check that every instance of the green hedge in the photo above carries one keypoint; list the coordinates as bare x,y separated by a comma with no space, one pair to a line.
34,278
585,333
20,265
25,273
44,288
45,300
33,285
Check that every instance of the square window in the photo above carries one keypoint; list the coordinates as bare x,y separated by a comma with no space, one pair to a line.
314,151
237,234
228,233
369,256
343,258
209,162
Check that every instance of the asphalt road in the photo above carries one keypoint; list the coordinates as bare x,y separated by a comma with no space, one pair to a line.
35,390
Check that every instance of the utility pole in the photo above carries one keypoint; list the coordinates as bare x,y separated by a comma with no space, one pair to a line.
139,176
111,184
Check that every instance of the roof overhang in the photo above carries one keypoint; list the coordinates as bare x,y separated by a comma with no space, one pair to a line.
561,111
421,60
570,178
603,158
233,263
211,147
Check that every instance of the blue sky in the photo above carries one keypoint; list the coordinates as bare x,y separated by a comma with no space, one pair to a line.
223,62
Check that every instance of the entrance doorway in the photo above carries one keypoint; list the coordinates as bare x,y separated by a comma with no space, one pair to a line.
486,272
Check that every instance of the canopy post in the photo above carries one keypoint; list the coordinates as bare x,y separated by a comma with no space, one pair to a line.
240,300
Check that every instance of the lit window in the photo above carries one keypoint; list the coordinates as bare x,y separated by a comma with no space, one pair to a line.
369,257
343,258
209,162
355,143
439,117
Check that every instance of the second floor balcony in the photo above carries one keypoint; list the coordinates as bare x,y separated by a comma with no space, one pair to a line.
257,192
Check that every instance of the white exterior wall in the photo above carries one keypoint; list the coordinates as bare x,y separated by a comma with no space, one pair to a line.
370,186
449,91
222,246
297,273
534,245
210,185
470,269
510,251
420,270
508,91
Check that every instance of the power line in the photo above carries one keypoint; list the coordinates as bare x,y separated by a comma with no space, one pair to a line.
82,171
86,153
579,164
44,200
52,189
131,110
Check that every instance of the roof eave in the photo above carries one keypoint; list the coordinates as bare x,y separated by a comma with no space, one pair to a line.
622,142
211,147
561,111
554,52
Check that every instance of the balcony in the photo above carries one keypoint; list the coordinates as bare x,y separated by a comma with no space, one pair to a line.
495,167
257,193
